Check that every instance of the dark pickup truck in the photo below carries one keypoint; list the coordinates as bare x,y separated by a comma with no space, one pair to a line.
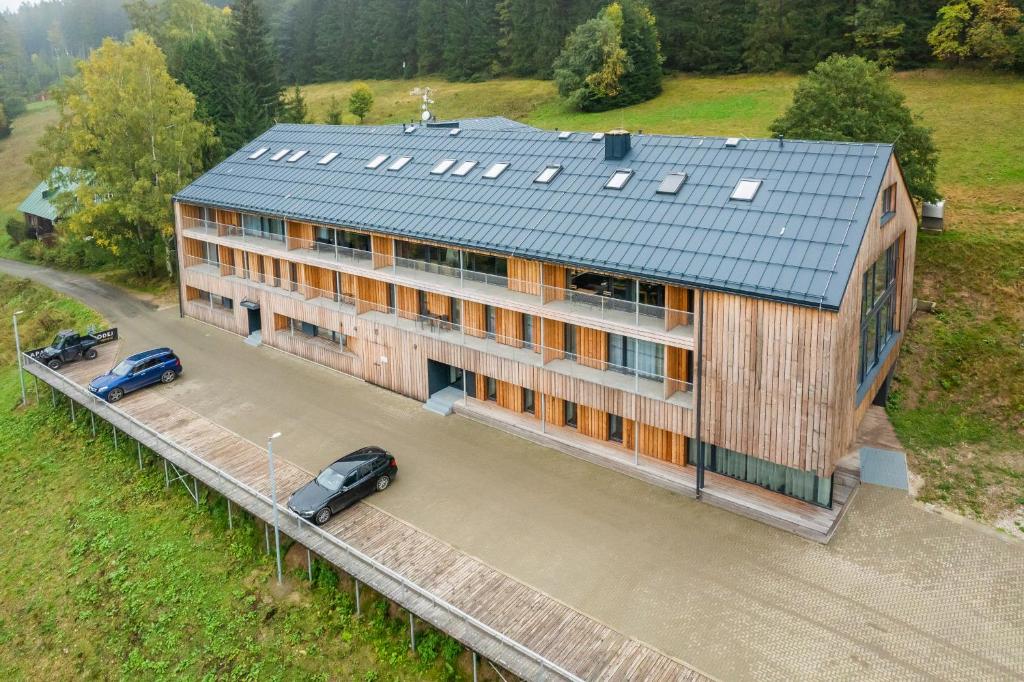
69,346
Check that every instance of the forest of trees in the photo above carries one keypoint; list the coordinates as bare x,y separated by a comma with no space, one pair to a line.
320,40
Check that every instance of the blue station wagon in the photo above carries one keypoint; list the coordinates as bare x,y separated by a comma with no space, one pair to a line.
159,365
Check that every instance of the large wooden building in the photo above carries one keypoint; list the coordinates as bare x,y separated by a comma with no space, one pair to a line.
648,297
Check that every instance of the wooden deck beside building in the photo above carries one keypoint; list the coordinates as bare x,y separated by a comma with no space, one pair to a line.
506,621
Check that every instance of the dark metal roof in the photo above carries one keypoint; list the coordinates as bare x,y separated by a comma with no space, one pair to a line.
795,242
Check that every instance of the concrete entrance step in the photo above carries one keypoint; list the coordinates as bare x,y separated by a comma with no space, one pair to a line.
442,401
254,339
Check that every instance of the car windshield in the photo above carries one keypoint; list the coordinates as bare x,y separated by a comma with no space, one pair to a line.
57,340
330,479
122,370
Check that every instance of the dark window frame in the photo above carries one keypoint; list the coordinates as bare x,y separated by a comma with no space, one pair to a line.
616,427
888,205
570,413
529,401
878,313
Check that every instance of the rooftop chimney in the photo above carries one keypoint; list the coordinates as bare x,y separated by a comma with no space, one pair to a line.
616,145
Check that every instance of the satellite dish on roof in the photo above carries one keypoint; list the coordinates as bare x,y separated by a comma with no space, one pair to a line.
425,116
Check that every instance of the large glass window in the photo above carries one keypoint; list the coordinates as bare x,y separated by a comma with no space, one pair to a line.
629,355
437,256
569,341
313,331
491,321
804,485
262,226
486,264
527,331
878,311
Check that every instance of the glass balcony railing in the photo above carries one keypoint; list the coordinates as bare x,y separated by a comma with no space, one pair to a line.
563,299
643,381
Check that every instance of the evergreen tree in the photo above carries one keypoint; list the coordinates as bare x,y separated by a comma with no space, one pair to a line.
470,48
851,99
255,91
877,31
294,109
612,60
334,113
333,38
431,19
201,67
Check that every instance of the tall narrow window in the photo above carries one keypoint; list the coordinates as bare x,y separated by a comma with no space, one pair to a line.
528,401
492,389
570,341
614,428
888,204
527,331
491,321
570,414
878,312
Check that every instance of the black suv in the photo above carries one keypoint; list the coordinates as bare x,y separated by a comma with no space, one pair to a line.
348,480
70,346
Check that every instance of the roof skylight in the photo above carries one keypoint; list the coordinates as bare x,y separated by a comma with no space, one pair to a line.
410,129
376,161
259,152
455,131
548,174
399,163
745,190
297,155
279,155
732,142
464,168
619,179
327,158
597,137
565,135
672,183
442,166
495,170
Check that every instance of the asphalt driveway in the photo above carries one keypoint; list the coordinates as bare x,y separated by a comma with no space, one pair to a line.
900,593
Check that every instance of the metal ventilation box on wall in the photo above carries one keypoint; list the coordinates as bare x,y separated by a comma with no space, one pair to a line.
932,216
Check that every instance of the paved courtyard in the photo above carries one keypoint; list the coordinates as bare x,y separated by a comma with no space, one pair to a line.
900,593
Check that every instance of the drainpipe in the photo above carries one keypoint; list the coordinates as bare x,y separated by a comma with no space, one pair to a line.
697,394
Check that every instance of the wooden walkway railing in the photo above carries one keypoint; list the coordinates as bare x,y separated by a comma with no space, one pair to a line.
521,629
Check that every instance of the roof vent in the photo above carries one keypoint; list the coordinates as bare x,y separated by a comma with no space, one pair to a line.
597,137
565,135
732,142
616,145
409,129
455,131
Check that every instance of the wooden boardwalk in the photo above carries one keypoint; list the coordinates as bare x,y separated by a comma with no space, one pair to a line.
522,629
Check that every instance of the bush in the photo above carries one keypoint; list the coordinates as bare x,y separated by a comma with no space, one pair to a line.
17,230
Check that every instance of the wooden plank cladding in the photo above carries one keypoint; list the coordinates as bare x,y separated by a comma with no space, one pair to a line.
678,306
371,294
591,347
299,235
408,302
473,319
524,275
509,327
556,280
383,251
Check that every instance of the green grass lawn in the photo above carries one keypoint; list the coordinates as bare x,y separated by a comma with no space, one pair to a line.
106,574
16,177
959,403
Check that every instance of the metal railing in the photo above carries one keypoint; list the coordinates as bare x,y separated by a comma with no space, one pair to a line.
85,398
582,301
444,328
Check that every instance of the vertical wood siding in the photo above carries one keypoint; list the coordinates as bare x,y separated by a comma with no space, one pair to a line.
524,275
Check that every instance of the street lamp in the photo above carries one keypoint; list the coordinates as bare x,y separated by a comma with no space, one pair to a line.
17,348
273,500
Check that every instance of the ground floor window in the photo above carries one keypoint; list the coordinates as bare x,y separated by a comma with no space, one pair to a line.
528,401
570,414
215,299
313,331
614,428
803,485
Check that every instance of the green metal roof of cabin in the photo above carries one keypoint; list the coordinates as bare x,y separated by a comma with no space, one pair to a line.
37,203
795,242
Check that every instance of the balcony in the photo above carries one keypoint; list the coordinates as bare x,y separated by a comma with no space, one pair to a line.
450,279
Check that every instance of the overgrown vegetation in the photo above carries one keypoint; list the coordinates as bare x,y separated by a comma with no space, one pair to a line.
107,574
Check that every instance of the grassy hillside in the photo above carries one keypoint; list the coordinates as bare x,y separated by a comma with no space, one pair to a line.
959,404
16,176
106,574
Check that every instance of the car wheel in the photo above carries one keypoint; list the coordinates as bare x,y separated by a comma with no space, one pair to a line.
54,363
115,395
383,482
90,354
168,376
322,516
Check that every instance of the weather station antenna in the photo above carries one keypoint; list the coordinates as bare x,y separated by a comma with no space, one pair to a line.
425,114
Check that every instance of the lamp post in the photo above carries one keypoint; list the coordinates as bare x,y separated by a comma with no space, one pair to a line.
17,349
273,499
